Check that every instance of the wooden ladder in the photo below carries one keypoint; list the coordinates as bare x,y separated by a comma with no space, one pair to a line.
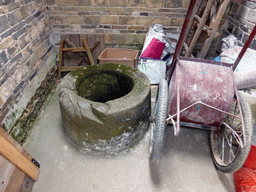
214,25
211,29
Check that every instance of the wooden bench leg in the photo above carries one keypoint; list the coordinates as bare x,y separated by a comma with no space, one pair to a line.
88,51
60,57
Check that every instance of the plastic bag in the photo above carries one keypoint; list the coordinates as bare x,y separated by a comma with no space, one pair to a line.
228,42
246,69
154,69
231,52
155,31
154,49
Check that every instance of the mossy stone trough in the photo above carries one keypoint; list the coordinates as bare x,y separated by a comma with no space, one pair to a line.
105,108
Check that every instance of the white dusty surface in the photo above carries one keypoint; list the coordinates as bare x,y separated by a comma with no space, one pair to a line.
186,164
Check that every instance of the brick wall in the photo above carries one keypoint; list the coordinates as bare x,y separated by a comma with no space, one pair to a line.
29,29
124,22
242,18
25,50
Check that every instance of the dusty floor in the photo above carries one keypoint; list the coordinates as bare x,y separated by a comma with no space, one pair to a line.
186,164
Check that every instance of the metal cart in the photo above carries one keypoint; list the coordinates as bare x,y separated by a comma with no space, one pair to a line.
200,93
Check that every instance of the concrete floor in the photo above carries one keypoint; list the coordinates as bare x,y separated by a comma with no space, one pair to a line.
186,164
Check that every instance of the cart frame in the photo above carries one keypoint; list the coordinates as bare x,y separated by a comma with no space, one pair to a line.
176,125
162,115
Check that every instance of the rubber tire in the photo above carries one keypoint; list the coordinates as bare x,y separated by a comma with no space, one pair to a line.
243,153
160,121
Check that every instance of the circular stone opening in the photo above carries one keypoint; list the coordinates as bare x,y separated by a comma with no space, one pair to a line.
104,86
105,108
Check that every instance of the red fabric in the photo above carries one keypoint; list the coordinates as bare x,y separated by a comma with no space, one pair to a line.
245,178
154,49
251,159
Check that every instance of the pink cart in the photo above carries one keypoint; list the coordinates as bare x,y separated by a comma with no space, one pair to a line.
202,94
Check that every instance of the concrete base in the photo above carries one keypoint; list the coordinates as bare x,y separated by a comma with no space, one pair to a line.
186,164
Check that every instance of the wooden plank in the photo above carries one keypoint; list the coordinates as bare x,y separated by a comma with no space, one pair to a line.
75,39
16,181
18,159
208,30
8,182
69,43
88,51
27,184
61,57
78,61
94,45
200,28
6,171
74,49
215,28
81,49
91,40
190,22
71,58
71,68
1,161
100,48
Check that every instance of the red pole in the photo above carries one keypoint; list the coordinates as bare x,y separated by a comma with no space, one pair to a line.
181,38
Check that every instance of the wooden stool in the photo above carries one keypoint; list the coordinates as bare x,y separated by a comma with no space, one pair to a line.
79,50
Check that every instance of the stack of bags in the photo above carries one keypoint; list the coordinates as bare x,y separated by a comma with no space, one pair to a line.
246,70
156,53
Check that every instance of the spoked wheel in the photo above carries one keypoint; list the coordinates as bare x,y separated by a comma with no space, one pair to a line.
158,121
227,142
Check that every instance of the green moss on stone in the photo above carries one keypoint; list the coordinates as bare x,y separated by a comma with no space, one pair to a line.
21,128
100,87
104,82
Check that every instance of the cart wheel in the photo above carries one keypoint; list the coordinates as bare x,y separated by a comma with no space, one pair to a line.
158,121
228,155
